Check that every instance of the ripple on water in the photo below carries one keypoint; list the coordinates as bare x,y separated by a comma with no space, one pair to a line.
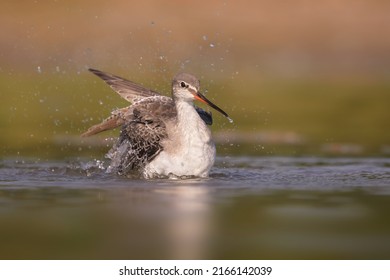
250,207
249,172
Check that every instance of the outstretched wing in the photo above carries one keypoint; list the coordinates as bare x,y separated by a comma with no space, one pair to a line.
131,92
125,88
116,119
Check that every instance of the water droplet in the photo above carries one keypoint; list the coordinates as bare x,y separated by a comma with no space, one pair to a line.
39,69
204,37
212,45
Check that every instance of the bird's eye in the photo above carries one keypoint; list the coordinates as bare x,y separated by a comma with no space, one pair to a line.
183,84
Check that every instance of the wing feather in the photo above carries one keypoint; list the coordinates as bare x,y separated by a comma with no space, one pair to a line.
142,134
125,88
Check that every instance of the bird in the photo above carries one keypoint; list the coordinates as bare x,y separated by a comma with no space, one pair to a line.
160,136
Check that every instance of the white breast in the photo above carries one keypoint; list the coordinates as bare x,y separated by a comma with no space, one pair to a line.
189,149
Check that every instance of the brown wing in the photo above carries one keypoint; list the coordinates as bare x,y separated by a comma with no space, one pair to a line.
125,88
116,119
142,134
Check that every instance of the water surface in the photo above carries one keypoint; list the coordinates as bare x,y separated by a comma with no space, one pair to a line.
250,207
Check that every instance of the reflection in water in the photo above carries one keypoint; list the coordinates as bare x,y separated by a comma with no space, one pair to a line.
250,208
190,224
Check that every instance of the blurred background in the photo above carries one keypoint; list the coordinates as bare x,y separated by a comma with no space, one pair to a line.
298,77
303,172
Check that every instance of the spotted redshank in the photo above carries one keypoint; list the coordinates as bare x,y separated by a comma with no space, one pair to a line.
160,136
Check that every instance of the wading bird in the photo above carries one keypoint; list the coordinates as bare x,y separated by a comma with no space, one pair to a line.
160,136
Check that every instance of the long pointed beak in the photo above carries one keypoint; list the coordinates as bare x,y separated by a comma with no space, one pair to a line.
203,99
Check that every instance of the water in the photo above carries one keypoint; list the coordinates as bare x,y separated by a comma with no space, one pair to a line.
250,207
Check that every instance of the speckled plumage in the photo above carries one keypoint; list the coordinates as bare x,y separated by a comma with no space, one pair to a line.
151,125
141,136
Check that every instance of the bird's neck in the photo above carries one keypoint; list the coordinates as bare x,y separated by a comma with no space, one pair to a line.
194,133
186,114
